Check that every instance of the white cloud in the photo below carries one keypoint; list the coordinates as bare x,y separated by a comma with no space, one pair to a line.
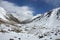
53,2
24,12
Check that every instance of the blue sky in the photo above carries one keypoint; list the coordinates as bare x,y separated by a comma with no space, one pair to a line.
38,6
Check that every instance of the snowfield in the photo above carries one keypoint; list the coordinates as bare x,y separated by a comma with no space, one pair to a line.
17,36
41,27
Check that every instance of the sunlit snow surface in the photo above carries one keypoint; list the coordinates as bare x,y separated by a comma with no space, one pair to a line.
16,36
42,27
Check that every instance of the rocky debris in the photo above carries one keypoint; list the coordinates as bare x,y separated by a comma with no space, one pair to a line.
11,39
57,39
19,38
40,37
3,31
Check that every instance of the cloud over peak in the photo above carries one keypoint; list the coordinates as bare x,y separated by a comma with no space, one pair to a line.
24,12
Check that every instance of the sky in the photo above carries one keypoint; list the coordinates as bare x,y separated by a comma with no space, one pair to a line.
37,6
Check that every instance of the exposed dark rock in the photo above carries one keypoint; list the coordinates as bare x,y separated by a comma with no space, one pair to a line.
11,39
58,30
19,38
3,31
57,39
51,38
40,37
52,32
18,31
49,13
56,34
45,34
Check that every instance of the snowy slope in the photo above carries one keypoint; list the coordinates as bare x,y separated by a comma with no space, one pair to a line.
17,36
47,26
10,28
41,27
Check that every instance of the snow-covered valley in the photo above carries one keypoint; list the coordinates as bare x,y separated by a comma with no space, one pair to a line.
41,27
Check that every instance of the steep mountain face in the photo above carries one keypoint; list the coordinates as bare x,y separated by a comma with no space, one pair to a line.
41,27
53,17
47,25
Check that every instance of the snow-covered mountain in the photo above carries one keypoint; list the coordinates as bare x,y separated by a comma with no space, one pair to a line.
40,27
